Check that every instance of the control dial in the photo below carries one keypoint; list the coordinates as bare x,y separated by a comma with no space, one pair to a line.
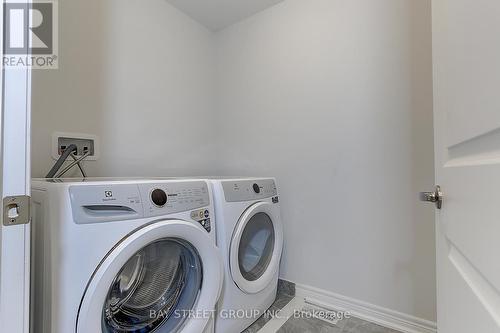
159,197
256,188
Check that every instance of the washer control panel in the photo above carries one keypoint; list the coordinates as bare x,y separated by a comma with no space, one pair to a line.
248,190
116,202
168,198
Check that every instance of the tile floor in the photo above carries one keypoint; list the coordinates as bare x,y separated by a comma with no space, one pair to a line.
351,325
309,325
281,301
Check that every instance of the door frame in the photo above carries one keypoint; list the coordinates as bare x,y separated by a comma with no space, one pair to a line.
15,180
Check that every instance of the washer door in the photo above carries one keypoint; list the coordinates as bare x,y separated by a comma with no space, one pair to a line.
154,280
256,247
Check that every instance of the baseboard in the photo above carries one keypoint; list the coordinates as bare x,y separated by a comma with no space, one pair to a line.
369,312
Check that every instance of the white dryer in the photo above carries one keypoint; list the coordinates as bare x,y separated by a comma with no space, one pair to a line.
124,256
250,238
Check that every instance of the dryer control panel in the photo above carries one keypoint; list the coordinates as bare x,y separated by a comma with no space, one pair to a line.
116,202
249,190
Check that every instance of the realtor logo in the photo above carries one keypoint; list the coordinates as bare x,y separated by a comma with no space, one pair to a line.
30,34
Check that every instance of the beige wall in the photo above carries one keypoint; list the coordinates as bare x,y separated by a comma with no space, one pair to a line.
334,98
138,76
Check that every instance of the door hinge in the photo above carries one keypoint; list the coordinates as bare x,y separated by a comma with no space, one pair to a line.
16,210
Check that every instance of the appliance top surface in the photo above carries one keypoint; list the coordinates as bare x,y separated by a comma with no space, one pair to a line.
231,178
137,179
103,180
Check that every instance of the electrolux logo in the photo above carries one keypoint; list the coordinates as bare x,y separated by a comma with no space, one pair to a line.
30,34
108,194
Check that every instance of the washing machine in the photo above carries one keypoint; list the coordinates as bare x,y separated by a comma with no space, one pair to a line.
250,238
124,256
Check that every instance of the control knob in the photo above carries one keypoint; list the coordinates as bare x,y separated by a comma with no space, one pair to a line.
159,197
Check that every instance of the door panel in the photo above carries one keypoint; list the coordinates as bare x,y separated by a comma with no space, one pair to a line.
467,134
472,220
470,39
470,315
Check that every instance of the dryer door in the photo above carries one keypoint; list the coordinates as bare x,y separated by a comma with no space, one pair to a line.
165,277
256,247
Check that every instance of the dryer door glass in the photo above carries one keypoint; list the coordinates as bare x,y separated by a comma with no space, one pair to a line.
158,283
256,246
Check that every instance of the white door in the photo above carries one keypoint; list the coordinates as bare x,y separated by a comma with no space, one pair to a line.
466,42
14,185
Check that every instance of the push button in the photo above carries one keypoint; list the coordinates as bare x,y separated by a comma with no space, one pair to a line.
207,225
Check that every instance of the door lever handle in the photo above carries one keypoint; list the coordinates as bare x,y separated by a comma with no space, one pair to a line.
434,197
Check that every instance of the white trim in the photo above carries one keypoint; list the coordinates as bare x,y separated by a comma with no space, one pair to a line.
366,311
15,176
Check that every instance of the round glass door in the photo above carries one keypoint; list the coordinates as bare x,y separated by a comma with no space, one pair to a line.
157,282
256,246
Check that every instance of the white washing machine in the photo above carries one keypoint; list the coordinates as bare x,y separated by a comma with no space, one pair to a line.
250,238
124,256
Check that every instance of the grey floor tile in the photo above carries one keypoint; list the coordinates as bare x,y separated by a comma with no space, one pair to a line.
280,302
256,326
308,325
286,287
356,325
